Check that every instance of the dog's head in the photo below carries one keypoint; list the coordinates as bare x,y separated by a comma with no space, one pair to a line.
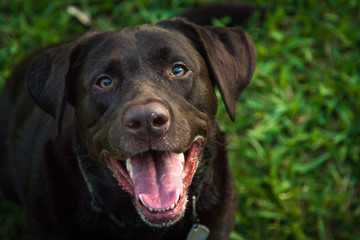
145,102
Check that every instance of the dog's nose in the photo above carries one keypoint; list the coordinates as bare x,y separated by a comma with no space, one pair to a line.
151,118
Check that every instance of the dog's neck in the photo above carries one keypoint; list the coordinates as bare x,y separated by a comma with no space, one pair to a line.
83,161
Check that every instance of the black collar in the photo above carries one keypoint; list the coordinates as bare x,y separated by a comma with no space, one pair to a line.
95,205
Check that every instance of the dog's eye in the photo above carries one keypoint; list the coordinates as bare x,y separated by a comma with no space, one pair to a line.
105,82
178,70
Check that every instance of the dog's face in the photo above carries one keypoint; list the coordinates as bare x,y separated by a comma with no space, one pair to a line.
145,102
140,108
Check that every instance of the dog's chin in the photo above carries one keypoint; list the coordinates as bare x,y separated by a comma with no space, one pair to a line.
158,181
163,219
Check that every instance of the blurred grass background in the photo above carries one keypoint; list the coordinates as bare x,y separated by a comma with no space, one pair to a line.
295,144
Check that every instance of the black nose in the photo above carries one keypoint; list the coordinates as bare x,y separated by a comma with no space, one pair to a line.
147,119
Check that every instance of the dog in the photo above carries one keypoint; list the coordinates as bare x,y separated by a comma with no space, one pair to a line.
112,135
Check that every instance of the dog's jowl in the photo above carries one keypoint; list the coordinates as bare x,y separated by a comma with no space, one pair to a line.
113,135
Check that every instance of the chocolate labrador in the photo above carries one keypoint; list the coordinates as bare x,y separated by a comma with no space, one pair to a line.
113,136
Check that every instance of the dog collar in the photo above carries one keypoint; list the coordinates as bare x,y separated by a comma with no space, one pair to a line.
197,231
95,205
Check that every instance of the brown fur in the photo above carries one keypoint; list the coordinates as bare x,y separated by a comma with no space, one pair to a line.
61,115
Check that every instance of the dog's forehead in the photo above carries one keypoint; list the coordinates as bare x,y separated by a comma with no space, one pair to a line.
143,41
130,48
151,35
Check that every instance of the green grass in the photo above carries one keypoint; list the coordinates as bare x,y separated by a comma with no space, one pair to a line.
295,144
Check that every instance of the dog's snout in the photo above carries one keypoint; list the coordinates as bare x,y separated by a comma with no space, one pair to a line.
147,119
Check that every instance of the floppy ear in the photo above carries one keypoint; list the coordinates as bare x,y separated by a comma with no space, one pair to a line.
228,52
48,77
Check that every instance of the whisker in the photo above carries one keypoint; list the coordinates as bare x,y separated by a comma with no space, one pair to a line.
222,145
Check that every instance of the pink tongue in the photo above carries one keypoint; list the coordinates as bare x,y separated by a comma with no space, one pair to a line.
157,176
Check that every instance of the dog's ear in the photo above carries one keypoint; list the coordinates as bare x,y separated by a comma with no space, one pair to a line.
49,77
46,77
229,54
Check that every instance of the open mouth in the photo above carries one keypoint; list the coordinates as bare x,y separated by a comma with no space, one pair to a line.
158,180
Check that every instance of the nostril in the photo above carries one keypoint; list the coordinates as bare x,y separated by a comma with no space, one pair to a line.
133,124
160,121
134,119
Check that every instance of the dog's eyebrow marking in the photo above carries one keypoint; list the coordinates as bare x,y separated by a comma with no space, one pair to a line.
113,66
163,53
113,62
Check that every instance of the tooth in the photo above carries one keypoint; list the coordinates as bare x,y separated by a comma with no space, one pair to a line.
142,201
131,175
182,160
172,206
128,165
163,210
197,137
177,195
168,208
151,210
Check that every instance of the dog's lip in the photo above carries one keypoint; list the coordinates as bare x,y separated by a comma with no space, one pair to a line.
167,212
